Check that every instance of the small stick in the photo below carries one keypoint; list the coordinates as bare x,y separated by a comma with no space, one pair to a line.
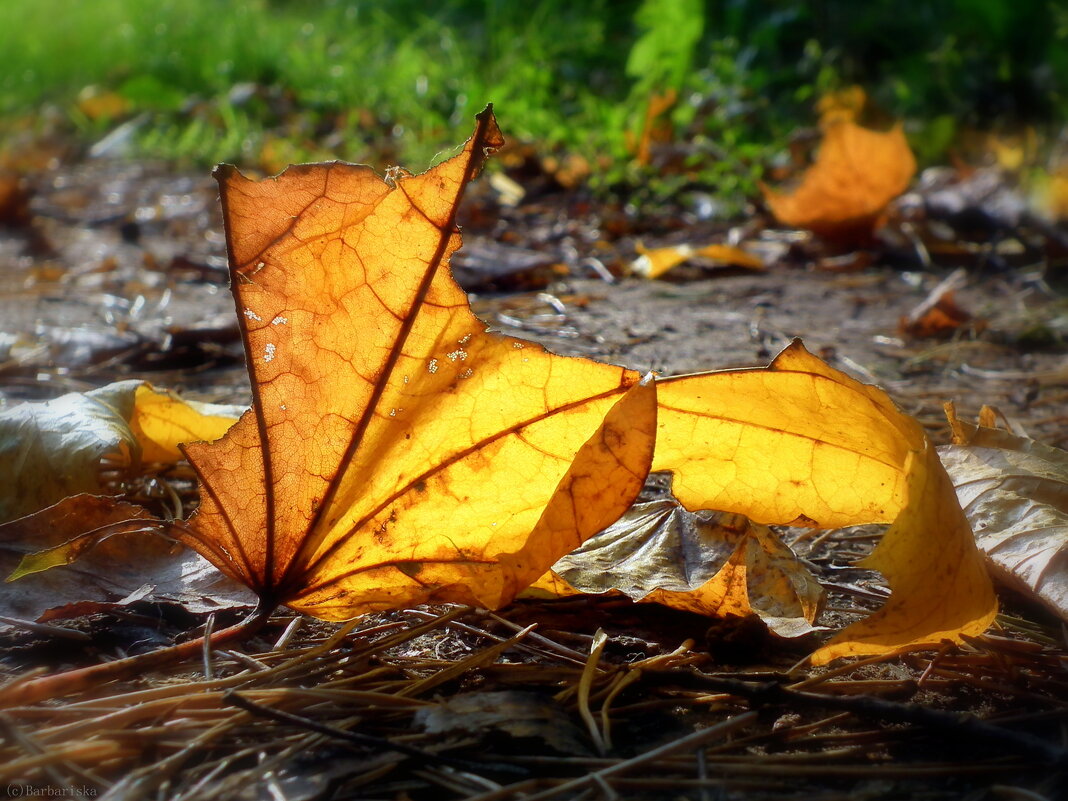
531,635
621,683
254,665
456,669
568,653
838,671
922,681
287,635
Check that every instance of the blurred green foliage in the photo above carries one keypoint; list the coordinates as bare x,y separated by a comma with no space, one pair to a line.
206,81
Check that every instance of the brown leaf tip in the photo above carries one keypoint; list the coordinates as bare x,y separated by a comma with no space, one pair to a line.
488,134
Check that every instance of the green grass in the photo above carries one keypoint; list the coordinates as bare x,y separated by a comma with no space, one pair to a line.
363,77
383,82
398,81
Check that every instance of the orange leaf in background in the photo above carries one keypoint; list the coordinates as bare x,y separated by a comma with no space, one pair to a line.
857,173
398,452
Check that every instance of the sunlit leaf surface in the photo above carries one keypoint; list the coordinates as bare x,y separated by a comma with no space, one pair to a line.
397,451
799,443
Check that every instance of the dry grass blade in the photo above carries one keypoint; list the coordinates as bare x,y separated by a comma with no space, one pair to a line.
600,639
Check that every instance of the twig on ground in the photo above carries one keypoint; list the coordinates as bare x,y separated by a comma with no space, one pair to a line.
58,685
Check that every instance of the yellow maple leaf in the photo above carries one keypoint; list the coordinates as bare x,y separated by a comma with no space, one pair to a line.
399,452
799,443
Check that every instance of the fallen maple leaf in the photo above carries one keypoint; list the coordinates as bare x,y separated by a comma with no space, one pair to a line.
54,449
397,451
857,173
710,563
799,443
1015,493
383,407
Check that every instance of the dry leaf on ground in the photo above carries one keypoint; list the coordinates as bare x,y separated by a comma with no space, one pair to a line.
939,314
711,563
1015,493
54,449
800,443
125,568
857,173
397,451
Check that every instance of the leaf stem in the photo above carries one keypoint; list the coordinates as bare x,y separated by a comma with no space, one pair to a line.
58,685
